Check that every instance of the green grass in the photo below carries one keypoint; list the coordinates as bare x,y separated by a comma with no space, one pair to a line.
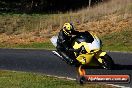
118,41
45,45
14,79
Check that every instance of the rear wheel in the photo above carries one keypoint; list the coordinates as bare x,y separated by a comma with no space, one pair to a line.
107,62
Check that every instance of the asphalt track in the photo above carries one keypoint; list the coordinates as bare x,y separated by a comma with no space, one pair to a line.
45,62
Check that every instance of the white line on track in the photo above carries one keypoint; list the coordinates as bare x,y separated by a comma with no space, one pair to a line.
118,86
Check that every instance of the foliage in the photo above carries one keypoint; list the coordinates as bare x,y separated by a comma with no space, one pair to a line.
42,6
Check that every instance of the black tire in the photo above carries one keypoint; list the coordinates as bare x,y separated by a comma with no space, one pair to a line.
108,63
81,80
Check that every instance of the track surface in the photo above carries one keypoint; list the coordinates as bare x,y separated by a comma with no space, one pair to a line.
45,62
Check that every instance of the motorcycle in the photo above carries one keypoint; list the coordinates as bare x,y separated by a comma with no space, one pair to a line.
90,51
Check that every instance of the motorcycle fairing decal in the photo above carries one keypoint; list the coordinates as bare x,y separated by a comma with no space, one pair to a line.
85,58
78,45
88,46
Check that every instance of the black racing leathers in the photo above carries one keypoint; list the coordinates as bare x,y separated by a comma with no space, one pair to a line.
64,47
64,41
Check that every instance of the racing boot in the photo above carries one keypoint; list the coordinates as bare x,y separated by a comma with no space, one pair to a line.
67,59
57,54
71,61
63,56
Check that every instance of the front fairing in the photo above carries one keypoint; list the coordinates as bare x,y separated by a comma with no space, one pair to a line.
85,58
91,46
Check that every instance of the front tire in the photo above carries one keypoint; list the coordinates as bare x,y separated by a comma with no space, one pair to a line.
107,63
81,80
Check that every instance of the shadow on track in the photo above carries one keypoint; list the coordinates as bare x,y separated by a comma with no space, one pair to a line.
116,67
122,67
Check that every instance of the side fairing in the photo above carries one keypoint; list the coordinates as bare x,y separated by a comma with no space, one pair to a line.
95,45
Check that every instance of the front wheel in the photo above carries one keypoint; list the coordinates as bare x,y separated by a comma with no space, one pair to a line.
81,80
107,62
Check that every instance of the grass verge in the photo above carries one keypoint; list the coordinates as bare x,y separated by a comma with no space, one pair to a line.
45,45
35,45
118,41
14,79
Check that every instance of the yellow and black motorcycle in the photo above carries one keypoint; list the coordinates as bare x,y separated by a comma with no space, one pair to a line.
91,48
91,53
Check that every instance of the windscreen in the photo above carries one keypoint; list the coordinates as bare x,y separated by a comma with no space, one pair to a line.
84,37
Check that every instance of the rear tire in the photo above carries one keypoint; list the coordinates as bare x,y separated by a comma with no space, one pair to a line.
107,63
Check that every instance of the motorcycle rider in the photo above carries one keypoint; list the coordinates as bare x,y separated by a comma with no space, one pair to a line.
64,43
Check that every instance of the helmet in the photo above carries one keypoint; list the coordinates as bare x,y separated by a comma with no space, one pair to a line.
68,28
